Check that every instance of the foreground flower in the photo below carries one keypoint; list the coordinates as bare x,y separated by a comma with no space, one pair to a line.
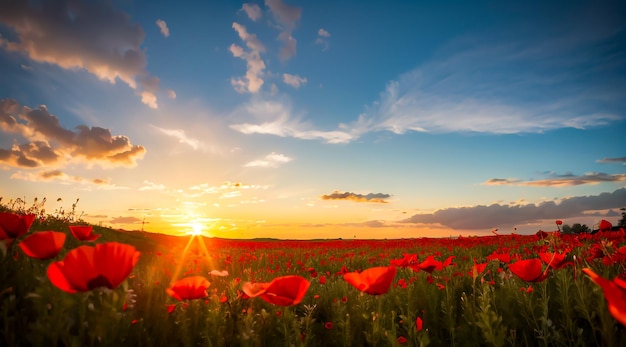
283,291
43,244
555,260
83,232
374,281
529,270
85,268
189,288
614,293
14,225
605,226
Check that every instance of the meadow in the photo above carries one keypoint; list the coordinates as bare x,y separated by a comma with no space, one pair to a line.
86,285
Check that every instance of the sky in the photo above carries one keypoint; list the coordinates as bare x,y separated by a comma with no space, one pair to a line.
305,120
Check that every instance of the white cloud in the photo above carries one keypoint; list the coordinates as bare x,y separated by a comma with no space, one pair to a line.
149,99
163,26
253,11
151,186
253,80
322,38
277,119
294,80
181,136
271,160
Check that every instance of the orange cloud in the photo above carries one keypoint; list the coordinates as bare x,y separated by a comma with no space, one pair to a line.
371,197
50,143
566,180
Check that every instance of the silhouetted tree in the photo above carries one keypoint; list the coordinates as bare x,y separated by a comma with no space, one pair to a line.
576,228
622,222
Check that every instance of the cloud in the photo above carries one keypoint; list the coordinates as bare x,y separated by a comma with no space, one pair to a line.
271,160
126,220
50,143
371,197
287,16
180,136
322,38
613,160
496,215
151,186
89,35
276,119
252,10
253,80
566,180
63,178
163,27
294,80
170,94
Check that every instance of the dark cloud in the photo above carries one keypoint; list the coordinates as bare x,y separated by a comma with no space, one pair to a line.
371,197
485,217
613,160
90,35
565,180
50,142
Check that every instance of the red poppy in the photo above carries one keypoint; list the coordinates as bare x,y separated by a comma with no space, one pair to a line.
14,225
419,324
503,257
541,234
85,268
555,260
189,288
402,340
328,325
283,291
478,269
605,225
43,244
83,232
374,281
170,308
529,270
614,293
559,222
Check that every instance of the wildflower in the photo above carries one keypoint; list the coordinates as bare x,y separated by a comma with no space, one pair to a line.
283,291
614,293
43,244
529,270
189,288
605,225
328,325
374,281
322,279
86,268
419,324
503,257
83,232
170,308
554,260
402,340
13,226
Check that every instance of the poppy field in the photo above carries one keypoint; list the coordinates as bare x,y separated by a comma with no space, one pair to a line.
65,283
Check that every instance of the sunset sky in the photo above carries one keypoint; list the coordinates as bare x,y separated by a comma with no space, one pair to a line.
324,119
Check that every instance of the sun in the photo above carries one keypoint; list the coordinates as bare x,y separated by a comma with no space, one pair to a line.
198,229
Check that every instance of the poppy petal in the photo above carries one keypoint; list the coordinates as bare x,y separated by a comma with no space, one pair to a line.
374,281
43,244
614,294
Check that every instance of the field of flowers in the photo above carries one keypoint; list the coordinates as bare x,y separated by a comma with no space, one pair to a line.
70,284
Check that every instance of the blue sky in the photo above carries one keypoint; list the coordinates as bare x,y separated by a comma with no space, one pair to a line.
290,119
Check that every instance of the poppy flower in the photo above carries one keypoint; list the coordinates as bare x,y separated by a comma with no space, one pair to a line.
85,268
614,293
529,270
83,232
402,340
555,260
419,324
14,225
43,244
605,225
374,281
189,288
283,291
